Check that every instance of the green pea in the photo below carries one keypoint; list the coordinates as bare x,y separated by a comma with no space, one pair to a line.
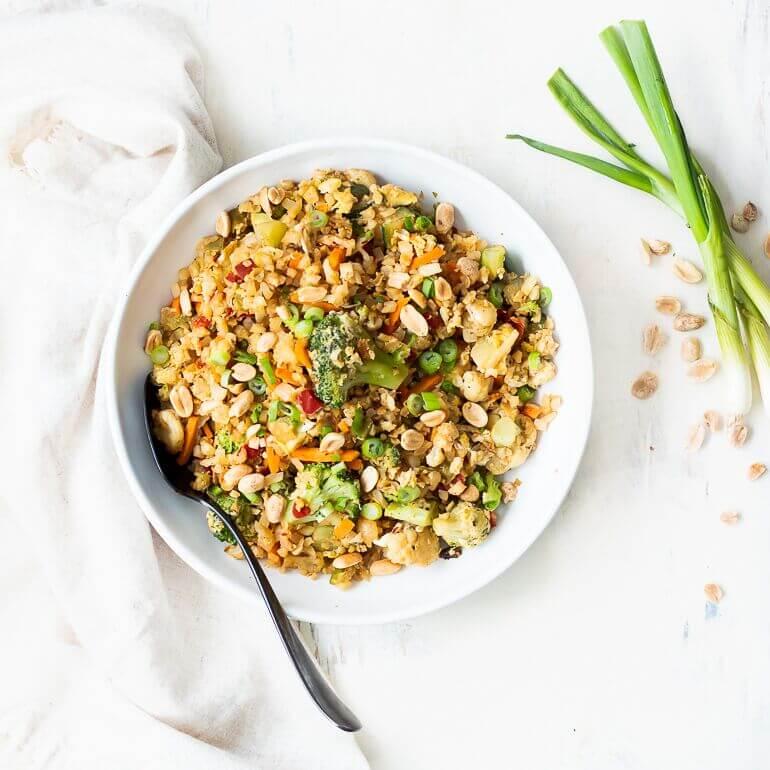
409,224
448,350
546,295
495,294
430,361
525,393
314,314
159,355
371,511
414,404
372,448
303,328
422,223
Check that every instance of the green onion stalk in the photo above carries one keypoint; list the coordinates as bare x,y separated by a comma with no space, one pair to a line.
736,293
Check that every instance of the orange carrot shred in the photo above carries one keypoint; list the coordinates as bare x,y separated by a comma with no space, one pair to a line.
336,257
300,351
273,461
175,305
531,410
190,433
393,318
428,256
426,384
310,454
295,260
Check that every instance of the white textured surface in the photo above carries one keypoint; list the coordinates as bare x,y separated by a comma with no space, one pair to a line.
595,650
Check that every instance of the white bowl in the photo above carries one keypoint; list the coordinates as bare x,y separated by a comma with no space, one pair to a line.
546,476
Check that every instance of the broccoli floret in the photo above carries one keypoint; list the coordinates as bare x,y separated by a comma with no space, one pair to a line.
227,442
464,525
335,339
420,512
390,458
218,529
326,488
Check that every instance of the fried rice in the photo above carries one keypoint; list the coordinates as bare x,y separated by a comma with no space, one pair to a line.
348,376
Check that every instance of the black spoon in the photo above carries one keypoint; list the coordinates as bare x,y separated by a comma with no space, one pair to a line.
179,477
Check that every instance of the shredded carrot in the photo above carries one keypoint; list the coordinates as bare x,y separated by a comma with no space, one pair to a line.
273,461
300,352
323,305
428,256
311,454
393,318
190,432
345,527
295,260
175,305
336,257
531,410
287,375
426,384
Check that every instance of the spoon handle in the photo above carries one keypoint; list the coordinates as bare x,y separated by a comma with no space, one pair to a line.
312,677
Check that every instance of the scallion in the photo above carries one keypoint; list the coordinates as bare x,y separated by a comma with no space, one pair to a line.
317,219
431,401
159,355
264,364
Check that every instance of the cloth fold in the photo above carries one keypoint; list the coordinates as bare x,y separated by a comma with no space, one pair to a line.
114,654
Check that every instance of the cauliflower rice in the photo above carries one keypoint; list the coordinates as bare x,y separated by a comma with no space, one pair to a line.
348,376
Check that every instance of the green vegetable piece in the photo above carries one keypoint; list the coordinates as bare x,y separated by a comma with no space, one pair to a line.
272,411
340,576
317,219
325,430
333,374
428,288
373,447
293,413
256,413
314,314
388,229
359,190
407,494
227,442
219,355
326,488
493,258
414,404
409,223
495,294
267,369
360,425
546,295
278,212
533,361
224,380
216,527
323,536
159,355
257,386
477,480
244,357
463,526
448,350
431,401
449,388
422,223
303,329
371,511
270,233
493,494
525,393
154,326
429,362
419,513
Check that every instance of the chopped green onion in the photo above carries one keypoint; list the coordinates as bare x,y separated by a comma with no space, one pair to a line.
272,412
448,350
429,362
256,413
220,356
159,355
371,511
314,314
422,223
414,404
154,326
359,427
224,380
318,219
366,236
293,413
449,388
291,322
244,357
493,258
303,329
267,369
407,494
525,393
409,223
546,295
495,294
372,448
428,288
325,430
431,401
257,386
533,361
